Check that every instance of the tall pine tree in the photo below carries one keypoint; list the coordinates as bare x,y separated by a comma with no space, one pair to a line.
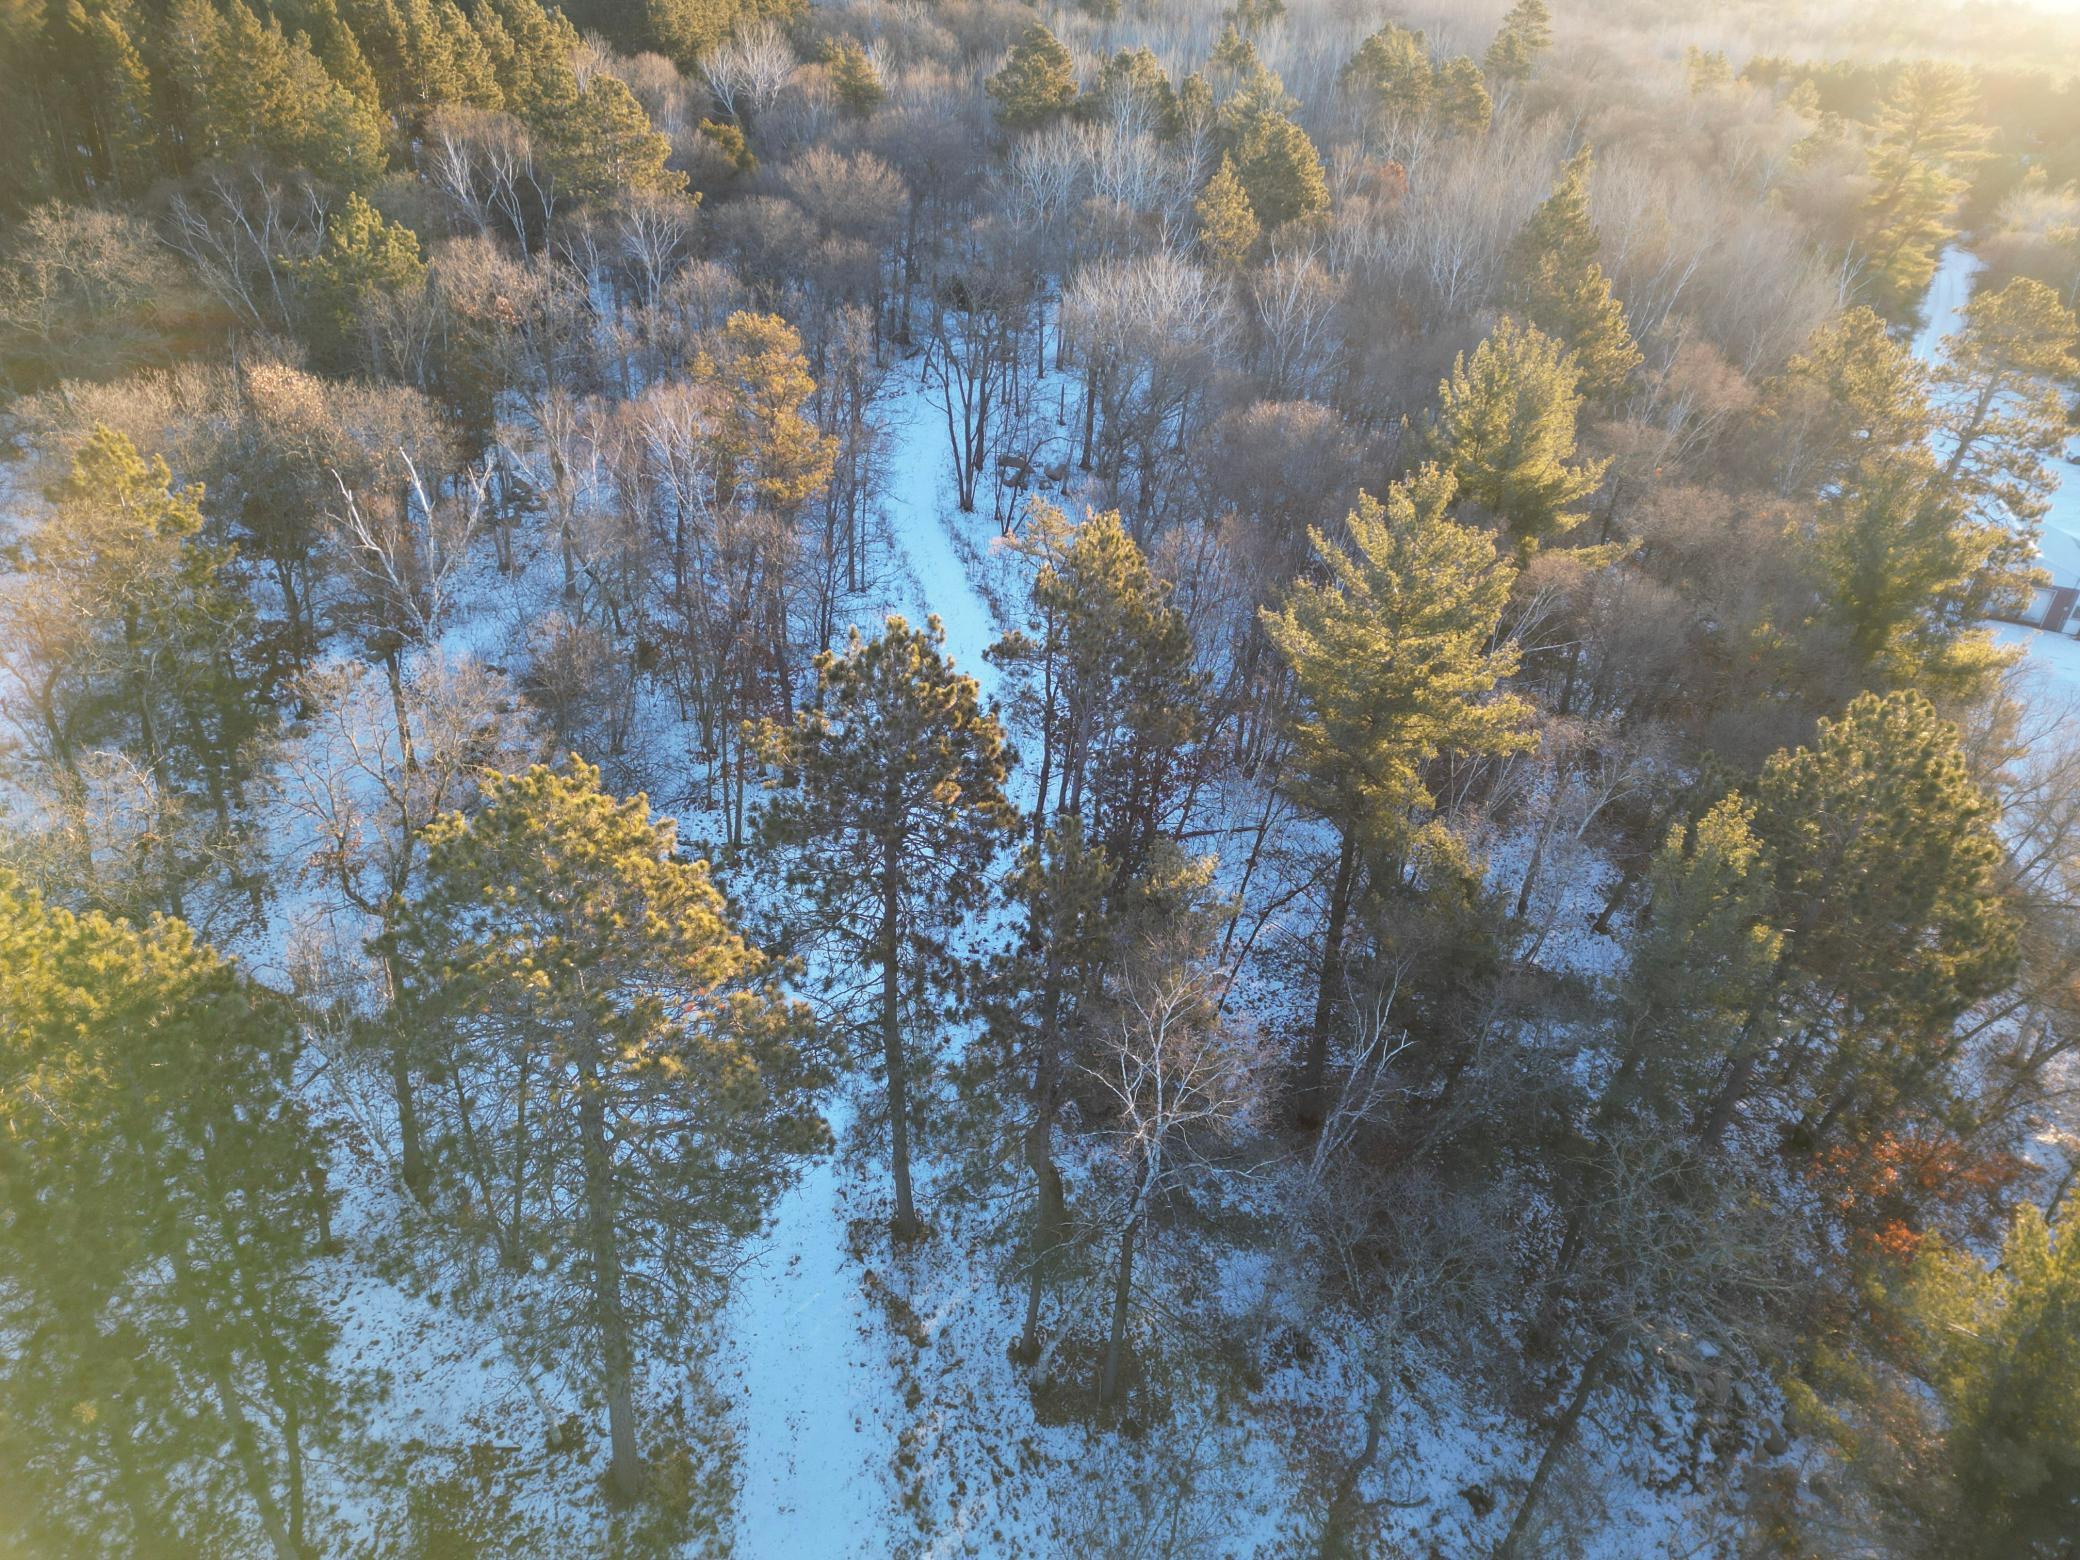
132,634
1394,664
2002,410
1554,280
1037,83
1926,136
1115,696
1505,429
1887,892
628,1080
164,1194
1525,37
891,810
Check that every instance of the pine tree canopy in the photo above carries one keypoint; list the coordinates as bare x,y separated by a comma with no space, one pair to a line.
1037,83
1394,659
1505,429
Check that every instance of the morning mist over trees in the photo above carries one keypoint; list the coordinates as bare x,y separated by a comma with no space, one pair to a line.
952,778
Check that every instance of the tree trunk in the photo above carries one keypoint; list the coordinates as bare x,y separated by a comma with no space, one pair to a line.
411,1144
1563,1436
393,669
1538,850
1049,1216
1740,1071
292,611
1336,1527
1047,725
1314,1074
1574,663
1122,1292
514,1242
245,1442
617,1356
905,1224
1627,880
1050,1212
1090,412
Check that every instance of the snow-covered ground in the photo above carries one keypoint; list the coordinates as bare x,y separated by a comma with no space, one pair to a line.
871,1404
2050,670
818,1399
1943,314
879,1412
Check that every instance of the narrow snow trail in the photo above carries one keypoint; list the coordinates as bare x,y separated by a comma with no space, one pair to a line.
817,1396
1942,306
816,1439
918,468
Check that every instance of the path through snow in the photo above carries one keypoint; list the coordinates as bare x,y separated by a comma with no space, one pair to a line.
817,1397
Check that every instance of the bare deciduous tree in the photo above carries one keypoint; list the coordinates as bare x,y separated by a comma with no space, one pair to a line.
1181,1079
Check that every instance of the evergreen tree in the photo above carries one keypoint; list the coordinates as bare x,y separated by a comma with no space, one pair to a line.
132,634
1701,965
1526,35
1707,69
1887,862
1559,235
1175,1073
754,455
164,1195
2002,414
1852,395
1390,77
110,90
1909,576
731,144
683,30
1463,106
1253,16
1195,106
40,161
1063,886
476,73
1552,277
1037,83
855,79
629,1082
1132,86
1278,166
764,446
263,92
1925,136
894,808
181,69
1954,1429
337,49
603,144
1242,79
444,61
501,52
364,260
1394,665
534,72
2000,1346
1117,700
1228,228
378,27
1505,429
